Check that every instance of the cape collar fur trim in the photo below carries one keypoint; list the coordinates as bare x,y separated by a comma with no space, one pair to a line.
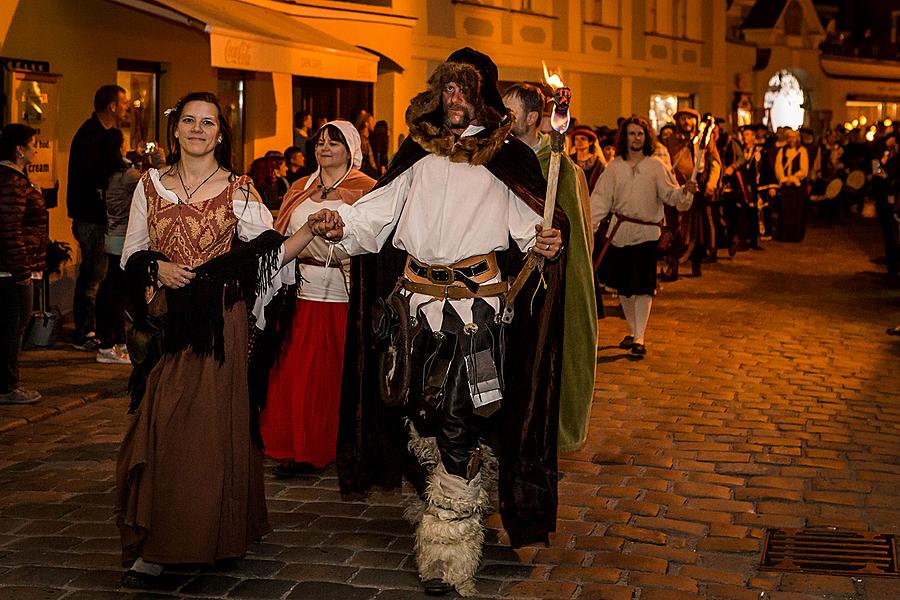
425,118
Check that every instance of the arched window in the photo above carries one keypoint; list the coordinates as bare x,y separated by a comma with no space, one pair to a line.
793,19
784,101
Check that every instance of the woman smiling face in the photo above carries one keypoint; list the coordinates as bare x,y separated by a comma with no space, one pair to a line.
331,152
198,128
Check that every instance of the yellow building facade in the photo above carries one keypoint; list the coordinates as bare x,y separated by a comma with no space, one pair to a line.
269,59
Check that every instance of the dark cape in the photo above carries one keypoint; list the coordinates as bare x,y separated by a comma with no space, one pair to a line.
371,437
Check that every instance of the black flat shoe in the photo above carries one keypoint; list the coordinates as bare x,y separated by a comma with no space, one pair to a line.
638,349
626,342
136,580
437,587
292,469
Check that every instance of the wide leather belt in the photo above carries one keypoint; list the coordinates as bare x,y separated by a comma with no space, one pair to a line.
314,262
466,278
456,292
446,274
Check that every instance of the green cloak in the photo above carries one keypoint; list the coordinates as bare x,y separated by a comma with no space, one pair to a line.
579,362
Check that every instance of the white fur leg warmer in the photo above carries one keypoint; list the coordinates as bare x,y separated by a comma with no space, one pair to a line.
450,534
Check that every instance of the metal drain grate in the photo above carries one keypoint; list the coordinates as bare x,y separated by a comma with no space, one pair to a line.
830,551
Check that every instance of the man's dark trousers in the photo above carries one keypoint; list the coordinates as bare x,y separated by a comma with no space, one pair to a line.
91,271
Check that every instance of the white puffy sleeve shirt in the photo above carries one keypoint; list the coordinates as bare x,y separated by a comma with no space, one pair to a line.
637,192
440,212
253,218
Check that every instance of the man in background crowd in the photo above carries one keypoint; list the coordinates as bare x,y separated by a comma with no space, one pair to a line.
87,208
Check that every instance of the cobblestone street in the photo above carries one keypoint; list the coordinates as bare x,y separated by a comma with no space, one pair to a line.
770,397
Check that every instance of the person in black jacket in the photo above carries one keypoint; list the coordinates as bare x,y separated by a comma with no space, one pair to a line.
87,209
23,248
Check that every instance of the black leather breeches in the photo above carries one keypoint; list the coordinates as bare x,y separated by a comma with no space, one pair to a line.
440,402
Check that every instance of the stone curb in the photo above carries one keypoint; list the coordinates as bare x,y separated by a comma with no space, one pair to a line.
52,411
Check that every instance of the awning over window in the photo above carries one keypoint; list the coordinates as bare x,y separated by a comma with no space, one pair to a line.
253,38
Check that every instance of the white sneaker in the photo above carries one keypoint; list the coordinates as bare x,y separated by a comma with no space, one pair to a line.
113,356
20,396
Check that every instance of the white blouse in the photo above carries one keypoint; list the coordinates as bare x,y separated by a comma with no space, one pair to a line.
253,218
322,284
443,212
638,193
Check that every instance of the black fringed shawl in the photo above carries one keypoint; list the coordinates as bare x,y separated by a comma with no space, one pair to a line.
194,316
371,439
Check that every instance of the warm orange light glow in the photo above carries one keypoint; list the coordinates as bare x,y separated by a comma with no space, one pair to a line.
870,136
855,122
863,120
888,122
847,125
554,80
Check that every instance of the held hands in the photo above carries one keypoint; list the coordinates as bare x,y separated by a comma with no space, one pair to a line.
174,275
327,224
547,243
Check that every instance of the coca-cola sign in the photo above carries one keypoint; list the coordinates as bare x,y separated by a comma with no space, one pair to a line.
237,53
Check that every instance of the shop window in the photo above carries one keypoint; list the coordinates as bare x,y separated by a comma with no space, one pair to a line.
140,80
232,95
330,98
663,107
871,111
743,110
784,102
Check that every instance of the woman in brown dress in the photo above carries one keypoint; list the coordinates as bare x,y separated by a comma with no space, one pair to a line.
189,477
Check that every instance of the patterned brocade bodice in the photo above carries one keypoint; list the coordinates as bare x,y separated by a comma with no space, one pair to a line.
192,233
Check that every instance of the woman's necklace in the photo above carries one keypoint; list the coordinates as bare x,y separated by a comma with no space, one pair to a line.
325,189
187,188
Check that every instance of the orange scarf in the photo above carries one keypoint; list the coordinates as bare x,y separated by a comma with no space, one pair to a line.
354,187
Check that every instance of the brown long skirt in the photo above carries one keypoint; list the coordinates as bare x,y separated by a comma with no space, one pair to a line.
189,479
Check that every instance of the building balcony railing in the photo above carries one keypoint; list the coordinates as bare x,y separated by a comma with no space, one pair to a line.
868,49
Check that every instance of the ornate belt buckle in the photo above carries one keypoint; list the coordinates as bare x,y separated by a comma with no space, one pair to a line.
440,274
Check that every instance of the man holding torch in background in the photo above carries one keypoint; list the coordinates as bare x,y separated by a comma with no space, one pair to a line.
694,158
459,205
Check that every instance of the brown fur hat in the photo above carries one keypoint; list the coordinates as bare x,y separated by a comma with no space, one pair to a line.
425,115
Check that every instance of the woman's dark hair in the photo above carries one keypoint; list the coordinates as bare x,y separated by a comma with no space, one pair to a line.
622,136
111,141
223,148
11,137
335,134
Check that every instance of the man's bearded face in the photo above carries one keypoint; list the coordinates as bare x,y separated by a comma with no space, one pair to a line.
458,112
636,138
686,123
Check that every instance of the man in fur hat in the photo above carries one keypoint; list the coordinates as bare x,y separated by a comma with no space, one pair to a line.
464,370
692,232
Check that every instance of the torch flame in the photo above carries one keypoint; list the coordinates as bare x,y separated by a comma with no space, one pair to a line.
554,80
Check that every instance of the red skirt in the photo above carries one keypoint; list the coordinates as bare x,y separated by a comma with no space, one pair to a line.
300,422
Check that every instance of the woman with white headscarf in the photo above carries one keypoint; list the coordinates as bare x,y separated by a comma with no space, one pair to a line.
299,425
